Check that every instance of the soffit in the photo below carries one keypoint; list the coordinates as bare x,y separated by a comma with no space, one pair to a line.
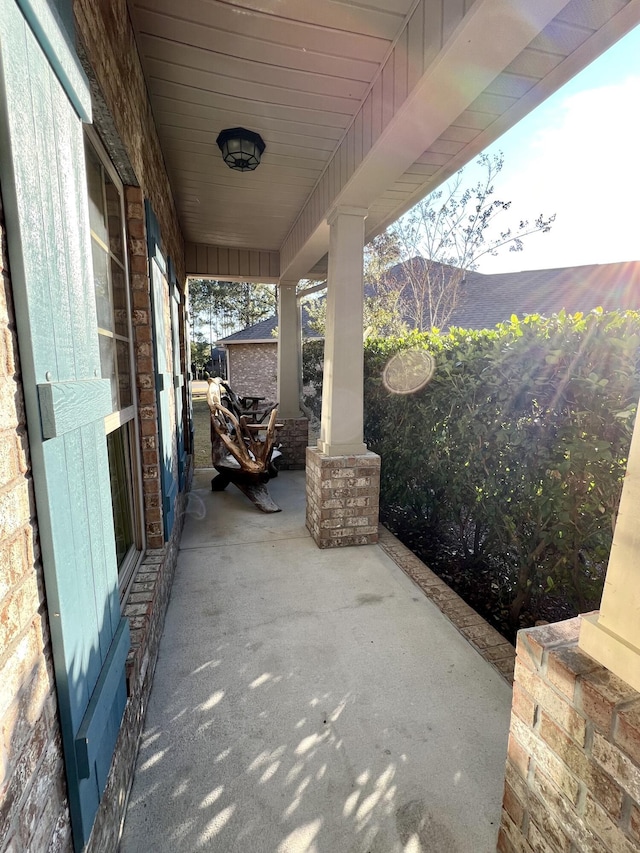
295,72
320,81
572,40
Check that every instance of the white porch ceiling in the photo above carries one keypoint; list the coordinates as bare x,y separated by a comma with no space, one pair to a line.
370,103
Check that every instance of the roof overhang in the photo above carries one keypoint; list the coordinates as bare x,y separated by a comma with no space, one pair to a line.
369,105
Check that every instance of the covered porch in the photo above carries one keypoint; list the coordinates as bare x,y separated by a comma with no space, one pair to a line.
311,700
349,727
364,113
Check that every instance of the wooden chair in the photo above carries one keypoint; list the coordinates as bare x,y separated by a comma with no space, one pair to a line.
243,451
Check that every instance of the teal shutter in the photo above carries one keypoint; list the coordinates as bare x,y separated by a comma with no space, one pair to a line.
161,311
178,375
43,97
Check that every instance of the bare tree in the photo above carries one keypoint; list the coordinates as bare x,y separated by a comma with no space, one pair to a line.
444,237
381,313
382,300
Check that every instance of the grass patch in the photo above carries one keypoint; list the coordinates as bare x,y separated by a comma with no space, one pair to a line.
202,430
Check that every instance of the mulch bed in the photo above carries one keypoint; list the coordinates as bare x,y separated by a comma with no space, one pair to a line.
479,583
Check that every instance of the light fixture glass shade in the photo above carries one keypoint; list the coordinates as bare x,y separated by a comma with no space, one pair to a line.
241,148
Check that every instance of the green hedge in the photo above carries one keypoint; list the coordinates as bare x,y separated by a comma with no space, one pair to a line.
513,455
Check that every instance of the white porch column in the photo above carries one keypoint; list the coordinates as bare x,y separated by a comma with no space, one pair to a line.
289,351
612,636
341,431
343,478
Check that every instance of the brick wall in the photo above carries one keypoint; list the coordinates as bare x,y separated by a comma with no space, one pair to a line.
343,496
33,808
573,767
253,369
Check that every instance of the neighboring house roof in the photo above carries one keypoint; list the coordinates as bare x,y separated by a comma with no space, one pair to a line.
486,300
260,333
263,332
491,299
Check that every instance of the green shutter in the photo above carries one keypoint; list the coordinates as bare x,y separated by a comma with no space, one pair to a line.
43,96
161,308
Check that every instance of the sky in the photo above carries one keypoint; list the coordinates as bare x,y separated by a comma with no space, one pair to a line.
578,156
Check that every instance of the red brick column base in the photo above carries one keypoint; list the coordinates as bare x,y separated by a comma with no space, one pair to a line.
343,494
573,765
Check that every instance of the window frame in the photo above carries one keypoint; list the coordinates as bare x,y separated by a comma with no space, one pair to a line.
127,417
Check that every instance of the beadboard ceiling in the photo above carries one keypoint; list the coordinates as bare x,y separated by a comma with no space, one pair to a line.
372,103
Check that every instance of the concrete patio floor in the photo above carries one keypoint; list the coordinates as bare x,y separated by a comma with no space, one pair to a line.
310,701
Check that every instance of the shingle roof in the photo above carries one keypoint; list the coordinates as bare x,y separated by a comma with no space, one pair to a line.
262,332
490,299
486,300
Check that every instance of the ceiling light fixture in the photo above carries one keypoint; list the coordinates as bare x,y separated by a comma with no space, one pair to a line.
241,148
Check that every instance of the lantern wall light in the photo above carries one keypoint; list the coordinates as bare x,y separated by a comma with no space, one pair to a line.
241,148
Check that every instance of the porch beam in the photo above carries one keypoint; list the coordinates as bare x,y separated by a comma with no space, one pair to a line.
308,291
289,351
341,430
612,636
229,263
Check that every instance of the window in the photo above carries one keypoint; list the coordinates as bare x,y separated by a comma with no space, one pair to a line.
110,273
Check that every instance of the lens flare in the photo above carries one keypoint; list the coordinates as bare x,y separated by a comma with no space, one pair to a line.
408,371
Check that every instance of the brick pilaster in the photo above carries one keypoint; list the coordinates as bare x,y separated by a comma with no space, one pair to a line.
144,366
343,494
573,766
293,439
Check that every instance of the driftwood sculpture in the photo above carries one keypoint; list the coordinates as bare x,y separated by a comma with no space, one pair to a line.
243,447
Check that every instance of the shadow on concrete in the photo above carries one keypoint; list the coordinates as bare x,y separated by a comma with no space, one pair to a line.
311,701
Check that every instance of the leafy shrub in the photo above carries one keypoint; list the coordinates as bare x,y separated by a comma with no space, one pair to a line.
312,364
513,455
